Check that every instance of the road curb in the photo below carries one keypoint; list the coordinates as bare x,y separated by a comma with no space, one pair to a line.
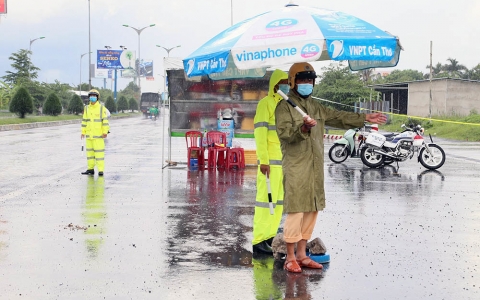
47,124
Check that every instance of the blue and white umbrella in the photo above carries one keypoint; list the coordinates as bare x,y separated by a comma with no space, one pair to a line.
293,34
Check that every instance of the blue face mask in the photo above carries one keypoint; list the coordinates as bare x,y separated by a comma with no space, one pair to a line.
304,89
285,88
93,98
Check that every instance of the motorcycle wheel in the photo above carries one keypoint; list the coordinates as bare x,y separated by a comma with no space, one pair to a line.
370,158
434,161
338,153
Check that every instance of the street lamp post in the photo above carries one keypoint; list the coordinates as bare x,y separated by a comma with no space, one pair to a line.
165,94
80,86
138,65
89,50
169,49
165,71
31,42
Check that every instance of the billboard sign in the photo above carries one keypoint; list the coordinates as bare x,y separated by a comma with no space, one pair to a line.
115,59
3,6
146,68
103,73
128,73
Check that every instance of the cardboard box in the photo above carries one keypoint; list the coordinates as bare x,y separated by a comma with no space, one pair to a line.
250,95
250,157
247,124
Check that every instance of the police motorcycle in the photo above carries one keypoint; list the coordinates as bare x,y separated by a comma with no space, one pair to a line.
378,148
346,146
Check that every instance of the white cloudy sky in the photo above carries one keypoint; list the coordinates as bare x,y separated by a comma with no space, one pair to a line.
451,25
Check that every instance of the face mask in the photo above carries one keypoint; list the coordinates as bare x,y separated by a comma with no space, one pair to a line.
93,98
305,89
285,88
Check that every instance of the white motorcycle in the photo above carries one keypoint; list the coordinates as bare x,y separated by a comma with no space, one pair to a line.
377,149
346,147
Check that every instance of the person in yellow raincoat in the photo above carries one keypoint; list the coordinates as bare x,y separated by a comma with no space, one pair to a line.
95,128
301,140
265,225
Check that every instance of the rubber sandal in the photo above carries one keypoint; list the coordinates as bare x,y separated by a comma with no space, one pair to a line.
292,266
310,264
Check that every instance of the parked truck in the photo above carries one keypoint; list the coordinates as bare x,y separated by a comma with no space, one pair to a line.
148,100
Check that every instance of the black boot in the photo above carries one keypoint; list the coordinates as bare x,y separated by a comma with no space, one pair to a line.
100,173
89,172
262,247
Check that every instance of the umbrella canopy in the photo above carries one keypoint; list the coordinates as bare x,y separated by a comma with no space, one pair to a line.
293,34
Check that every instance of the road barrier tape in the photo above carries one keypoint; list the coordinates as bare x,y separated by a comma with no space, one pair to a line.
400,115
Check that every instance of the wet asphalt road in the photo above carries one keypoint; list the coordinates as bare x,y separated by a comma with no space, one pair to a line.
144,233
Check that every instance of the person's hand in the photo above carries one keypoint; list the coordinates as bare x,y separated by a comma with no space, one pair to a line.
82,136
377,118
265,169
308,123
104,135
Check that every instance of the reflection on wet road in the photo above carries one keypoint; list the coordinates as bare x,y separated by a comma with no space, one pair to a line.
143,233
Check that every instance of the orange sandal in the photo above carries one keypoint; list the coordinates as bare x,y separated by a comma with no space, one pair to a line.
292,266
309,264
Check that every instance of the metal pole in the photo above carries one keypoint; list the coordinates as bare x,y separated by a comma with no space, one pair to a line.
138,67
115,88
431,70
89,50
80,86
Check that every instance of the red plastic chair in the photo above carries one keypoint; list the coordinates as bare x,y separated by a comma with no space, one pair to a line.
235,158
194,144
216,152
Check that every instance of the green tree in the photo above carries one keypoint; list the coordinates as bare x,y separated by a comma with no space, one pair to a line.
403,76
132,104
21,103
104,93
23,67
76,105
340,85
454,69
436,70
6,94
62,90
475,73
122,104
110,104
131,90
52,106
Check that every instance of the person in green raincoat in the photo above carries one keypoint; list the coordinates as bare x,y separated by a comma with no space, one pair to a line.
301,140
265,225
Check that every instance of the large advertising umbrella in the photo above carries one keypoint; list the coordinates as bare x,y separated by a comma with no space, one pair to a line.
293,34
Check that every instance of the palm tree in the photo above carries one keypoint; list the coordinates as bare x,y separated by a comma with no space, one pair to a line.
436,69
454,69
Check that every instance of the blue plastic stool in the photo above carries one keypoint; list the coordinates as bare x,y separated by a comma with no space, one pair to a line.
319,258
